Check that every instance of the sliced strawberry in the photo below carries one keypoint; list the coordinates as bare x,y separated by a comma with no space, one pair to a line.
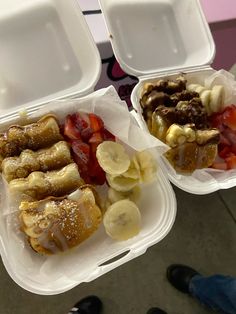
224,140
230,135
61,127
108,136
216,121
220,166
93,148
229,117
96,138
231,162
86,134
81,149
96,173
94,168
70,129
81,121
100,177
233,149
96,122
225,152
81,155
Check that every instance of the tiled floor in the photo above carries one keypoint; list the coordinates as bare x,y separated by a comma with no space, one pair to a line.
203,236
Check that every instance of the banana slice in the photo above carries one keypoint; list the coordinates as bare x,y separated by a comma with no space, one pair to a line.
112,158
133,171
192,87
121,183
147,166
217,98
200,89
196,88
122,220
206,99
133,195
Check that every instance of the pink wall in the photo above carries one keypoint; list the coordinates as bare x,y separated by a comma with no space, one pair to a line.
225,40
219,10
221,14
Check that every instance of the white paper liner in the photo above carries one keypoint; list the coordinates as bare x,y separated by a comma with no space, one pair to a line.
27,264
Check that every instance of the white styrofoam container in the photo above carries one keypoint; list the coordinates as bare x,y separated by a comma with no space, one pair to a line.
48,53
160,39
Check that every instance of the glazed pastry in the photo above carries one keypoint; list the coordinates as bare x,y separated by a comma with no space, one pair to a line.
34,136
29,161
183,96
191,148
166,102
39,185
161,93
162,119
190,156
154,99
57,224
185,112
192,112
166,86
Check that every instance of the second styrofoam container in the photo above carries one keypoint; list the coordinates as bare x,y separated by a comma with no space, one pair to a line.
164,39
202,181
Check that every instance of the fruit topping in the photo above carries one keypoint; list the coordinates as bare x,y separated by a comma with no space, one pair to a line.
85,132
225,122
122,220
112,158
213,100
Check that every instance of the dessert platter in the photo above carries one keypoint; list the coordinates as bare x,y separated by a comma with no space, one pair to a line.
77,189
194,121
193,113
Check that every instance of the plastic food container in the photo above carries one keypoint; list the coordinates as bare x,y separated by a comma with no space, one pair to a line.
162,39
48,53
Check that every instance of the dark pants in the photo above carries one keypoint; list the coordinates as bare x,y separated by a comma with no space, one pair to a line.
217,292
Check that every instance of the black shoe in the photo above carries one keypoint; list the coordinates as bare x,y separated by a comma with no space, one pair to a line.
156,310
88,305
179,276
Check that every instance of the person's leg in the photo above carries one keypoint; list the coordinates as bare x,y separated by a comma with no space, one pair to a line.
88,305
217,292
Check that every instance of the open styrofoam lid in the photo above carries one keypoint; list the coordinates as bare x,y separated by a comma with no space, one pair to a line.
46,52
154,36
